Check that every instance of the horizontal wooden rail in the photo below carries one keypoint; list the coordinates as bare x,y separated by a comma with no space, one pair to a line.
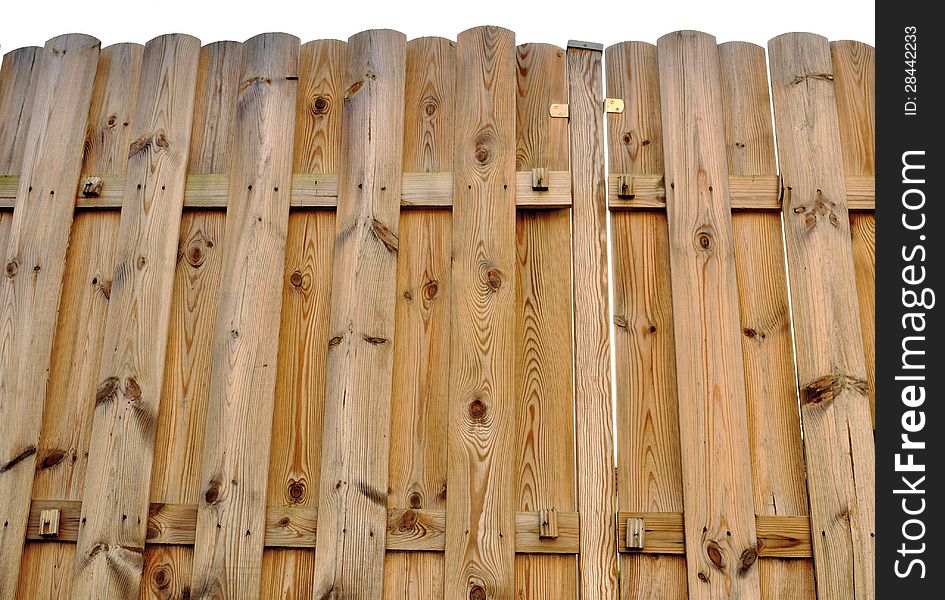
313,190
778,536
294,527
418,530
748,192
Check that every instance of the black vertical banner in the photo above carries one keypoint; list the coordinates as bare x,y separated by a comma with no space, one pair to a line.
910,268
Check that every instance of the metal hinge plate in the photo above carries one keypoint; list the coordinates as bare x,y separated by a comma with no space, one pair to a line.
559,111
613,105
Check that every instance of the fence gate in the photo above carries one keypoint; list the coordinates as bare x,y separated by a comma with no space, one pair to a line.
340,320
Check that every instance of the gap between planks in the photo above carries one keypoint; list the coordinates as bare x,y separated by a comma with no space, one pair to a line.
435,190
410,530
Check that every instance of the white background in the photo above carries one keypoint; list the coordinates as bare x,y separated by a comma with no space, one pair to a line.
32,22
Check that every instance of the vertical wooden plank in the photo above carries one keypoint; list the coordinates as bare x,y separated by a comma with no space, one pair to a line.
352,515
545,408
17,88
648,464
480,506
422,321
67,418
834,395
777,458
306,293
175,476
855,83
721,546
34,263
231,512
110,546
67,415
596,490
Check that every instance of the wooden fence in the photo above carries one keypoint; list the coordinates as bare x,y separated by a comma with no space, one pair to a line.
374,290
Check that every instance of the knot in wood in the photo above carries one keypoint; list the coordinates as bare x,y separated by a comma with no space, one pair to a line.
494,279
213,493
477,592
747,559
355,87
161,577
705,240
321,105
415,500
482,153
714,552
478,410
141,262
52,458
408,520
296,490
430,105
703,577
106,390
195,254
627,137
12,268
430,290
296,279
284,522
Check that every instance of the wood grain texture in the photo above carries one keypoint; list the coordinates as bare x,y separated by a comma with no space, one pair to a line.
318,113
544,377
109,552
230,524
481,501
648,463
721,545
831,369
34,262
349,555
593,404
855,83
300,381
777,457
417,476
175,475
17,88
67,415
300,386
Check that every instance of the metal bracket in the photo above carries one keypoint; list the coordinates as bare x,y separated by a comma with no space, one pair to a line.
625,187
547,524
540,179
635,528
49,522
613,105
559,111
585,45
92,186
